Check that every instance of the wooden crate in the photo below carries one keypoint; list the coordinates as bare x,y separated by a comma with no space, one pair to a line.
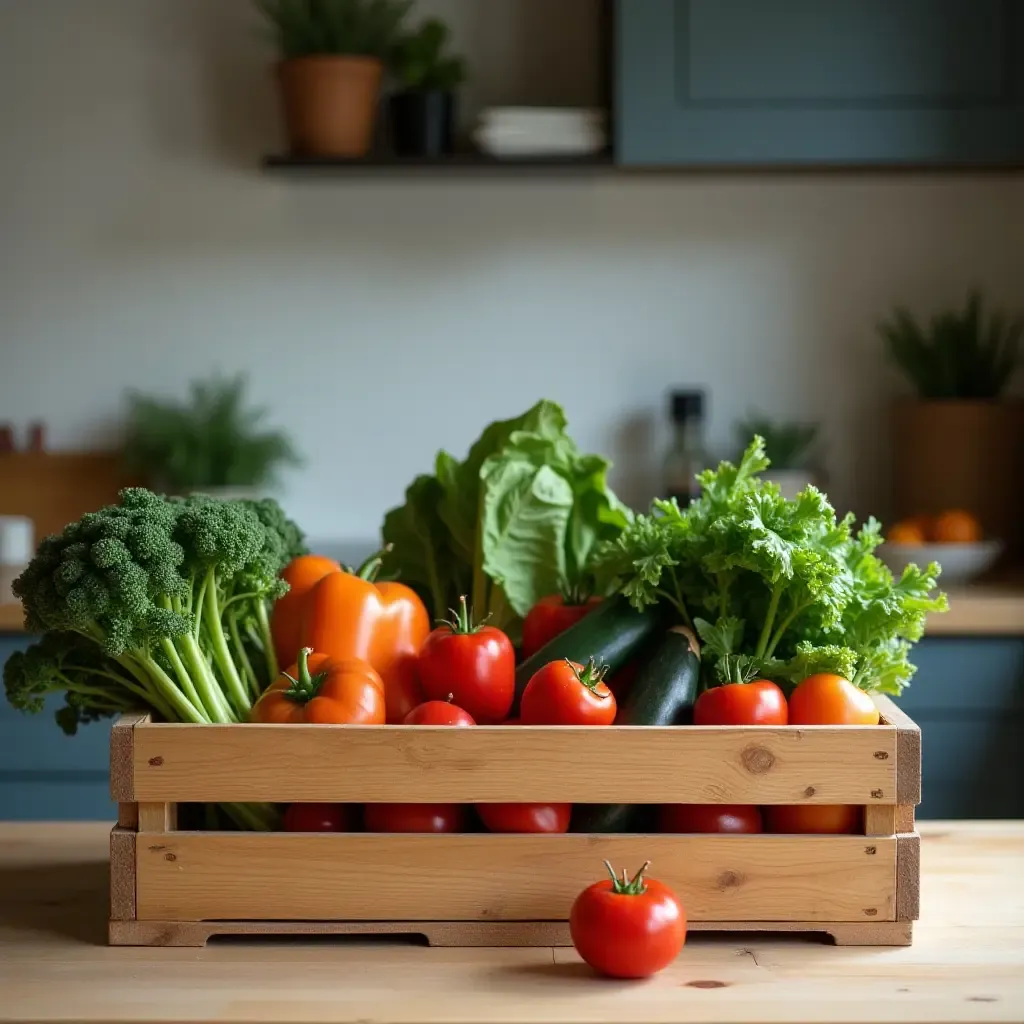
171,887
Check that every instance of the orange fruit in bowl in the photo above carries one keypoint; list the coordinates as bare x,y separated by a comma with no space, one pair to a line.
906,531
956,526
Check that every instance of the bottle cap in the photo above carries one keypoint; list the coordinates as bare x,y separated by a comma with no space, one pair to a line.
687,405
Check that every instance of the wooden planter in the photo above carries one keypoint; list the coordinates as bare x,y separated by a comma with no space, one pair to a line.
177,888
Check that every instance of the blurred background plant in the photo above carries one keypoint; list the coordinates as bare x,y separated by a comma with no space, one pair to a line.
420,62
304,28
211,440
790,445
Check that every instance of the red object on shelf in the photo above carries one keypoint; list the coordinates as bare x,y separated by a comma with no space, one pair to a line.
6,438
37,437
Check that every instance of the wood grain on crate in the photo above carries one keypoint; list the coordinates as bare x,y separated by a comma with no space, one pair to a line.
272,876
122,874
710,764
908,750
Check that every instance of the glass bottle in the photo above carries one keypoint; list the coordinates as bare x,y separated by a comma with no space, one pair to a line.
686,456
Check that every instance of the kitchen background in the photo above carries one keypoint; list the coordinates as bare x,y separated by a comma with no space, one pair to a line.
381,316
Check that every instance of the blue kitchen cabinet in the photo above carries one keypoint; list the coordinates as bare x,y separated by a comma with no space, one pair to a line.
968,699
45,775
802,82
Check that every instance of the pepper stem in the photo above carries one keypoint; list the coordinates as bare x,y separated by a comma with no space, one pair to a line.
461,621
590,676
369,569
627,886
304,686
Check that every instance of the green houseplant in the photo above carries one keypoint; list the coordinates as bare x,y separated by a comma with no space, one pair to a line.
333,54
790,446
213,441
959,441
423,111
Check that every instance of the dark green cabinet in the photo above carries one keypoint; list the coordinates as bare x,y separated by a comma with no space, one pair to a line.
805,82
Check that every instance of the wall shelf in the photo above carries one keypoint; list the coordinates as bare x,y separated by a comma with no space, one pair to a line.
469,162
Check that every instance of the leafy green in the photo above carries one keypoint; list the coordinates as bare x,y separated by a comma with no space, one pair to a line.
775,587
421,62
520,517
790,445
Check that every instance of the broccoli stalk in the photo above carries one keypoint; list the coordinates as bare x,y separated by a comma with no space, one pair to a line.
156,603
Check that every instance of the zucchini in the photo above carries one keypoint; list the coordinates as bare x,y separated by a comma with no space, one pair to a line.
662,694
611,634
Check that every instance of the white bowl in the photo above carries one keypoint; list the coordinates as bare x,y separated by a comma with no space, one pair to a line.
960,563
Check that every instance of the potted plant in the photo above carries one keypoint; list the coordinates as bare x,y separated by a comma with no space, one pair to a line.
423,111
789,445
960,442
332,61
213,442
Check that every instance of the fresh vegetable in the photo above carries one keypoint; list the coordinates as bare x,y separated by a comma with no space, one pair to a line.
472,665
315,818
550,616
322,690
414,817
517,519
301,575
567,693
549,818
348,615
628,927
611,634
824,819
776,589
726,818
759,702
662,693
827,699
439,712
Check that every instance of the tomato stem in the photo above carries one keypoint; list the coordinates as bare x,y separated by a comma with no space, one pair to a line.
590,676
304,686
461,621
577,594
627,886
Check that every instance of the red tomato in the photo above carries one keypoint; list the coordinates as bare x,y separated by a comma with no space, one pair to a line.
825,699
438,712
475,665
824,819
736,818
414,817
550,616
628,928
564,693
758,703
315,818
525,817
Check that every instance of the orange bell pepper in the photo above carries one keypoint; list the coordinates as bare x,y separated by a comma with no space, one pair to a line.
301,574
322,691
348,615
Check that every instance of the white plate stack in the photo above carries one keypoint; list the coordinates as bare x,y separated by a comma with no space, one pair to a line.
541,131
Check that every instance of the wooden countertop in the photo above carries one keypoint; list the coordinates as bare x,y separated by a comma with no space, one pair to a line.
966,964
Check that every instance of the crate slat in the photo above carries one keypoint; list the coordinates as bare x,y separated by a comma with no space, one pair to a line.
815,764
191,876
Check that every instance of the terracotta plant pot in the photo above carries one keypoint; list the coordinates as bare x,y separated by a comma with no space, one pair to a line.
961,454
330,104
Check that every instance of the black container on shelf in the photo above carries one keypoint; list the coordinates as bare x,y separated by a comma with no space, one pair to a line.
423,123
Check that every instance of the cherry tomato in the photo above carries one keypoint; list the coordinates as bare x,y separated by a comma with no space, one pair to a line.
758,703
825,699
823,819
438,712
734,818
525,817
474,666
550,616
628,928
414,817
565,693
315,818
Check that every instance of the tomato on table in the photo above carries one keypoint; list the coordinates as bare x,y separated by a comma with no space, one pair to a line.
814,819
315,818
739,819
434,818
551,616
567,693
826,699
438,712
760,702
540,818
628,928
472,665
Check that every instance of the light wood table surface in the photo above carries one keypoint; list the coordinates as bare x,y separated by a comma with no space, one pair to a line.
966,964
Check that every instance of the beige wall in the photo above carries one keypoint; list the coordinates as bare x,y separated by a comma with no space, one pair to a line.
385,318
